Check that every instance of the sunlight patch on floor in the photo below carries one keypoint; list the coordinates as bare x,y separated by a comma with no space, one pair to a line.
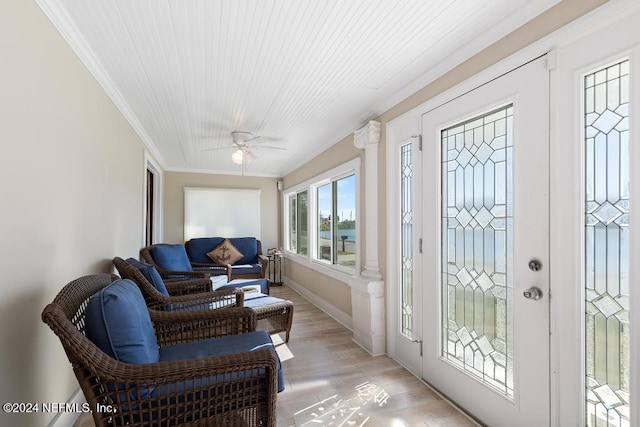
338,411
283,350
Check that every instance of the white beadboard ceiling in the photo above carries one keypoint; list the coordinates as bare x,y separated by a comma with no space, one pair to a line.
303,74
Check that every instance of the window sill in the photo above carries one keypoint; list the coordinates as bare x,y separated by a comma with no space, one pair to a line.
335,272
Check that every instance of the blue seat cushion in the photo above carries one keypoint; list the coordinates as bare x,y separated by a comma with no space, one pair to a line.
230,344
171,257
246,269
151,274
255,299
239,283
118,322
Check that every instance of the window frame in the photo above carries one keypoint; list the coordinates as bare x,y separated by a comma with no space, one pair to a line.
311,259
295,198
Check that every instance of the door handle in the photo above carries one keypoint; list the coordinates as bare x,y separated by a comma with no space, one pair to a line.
533,293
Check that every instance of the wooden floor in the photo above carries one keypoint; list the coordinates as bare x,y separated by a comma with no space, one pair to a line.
331,381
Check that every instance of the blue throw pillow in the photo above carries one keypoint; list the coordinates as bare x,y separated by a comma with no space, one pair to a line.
171,257
118,322
151,274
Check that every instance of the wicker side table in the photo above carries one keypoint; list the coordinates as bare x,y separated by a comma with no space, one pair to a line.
273,315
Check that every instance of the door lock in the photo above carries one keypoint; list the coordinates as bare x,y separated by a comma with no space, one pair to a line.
535,265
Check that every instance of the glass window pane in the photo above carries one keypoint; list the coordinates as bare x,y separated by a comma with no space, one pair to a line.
302,219
345,218
293,224
606,248
406,237
325,207
477,230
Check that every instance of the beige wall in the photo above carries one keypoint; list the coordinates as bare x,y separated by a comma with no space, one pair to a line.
174,183
556,17
71,181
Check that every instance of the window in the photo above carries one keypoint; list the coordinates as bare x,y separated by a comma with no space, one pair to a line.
298,228
606,245
322,215
336,222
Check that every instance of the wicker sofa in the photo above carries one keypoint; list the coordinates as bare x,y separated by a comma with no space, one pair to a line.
204,367
252,265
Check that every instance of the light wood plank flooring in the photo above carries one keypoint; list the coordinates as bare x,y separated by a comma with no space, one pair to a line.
331,381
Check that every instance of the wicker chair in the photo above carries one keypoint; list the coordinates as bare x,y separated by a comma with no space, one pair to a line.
222,390
273,315
187,297
189,272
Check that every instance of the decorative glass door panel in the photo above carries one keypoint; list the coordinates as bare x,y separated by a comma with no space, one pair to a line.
606,118
477,232
485,188
406,237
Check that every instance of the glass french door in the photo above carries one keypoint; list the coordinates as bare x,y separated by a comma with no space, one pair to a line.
521,306
486,271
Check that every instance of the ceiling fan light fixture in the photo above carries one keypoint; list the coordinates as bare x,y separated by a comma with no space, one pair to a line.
237,157
249,157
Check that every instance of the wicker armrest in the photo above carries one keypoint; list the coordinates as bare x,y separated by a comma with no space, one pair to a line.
173,327
182,275
263,260
225,297
213,269
188,287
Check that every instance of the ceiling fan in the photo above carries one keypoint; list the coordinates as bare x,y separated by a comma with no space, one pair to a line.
242,145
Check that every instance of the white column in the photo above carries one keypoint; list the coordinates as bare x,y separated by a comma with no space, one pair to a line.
367,289
367,138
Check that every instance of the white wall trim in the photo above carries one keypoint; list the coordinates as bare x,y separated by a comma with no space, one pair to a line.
66,419
329,309
158,199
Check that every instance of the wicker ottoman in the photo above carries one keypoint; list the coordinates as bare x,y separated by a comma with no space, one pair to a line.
273,315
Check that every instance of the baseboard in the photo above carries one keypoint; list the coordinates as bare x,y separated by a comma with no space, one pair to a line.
338,315
67,419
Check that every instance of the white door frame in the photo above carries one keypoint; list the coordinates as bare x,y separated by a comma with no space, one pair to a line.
409,123
577,58
402,131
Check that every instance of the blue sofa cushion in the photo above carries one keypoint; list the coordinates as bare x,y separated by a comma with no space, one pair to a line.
230,344
118,322
151,274
199,247
171,257
248,246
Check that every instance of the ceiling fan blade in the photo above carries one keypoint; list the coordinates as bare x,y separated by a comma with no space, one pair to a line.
214,149
270,147
263,139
